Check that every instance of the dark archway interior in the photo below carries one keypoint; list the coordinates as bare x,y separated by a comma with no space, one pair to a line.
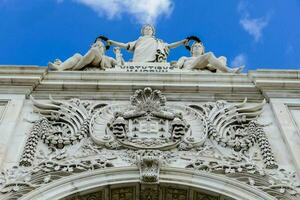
139,191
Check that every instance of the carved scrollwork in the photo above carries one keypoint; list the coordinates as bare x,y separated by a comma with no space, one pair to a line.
20,180
272,182
63,124
234,126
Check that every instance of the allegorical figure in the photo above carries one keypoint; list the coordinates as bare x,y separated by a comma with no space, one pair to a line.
200,60
95,57
148,48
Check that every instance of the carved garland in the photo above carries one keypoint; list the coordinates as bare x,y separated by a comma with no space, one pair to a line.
40,128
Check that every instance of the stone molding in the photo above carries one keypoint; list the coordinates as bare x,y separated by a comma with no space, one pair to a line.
89,180
20,79
256,85
276,83
288,127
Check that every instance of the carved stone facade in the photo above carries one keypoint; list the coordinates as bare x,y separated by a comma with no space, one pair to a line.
148,134
3,105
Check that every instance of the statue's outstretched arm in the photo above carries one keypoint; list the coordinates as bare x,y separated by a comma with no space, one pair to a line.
176,44
118,44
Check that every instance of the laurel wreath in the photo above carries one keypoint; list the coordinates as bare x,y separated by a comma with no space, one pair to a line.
104,39
191,38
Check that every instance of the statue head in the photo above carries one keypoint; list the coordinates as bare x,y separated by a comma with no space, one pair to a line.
148,30
100,45
197,49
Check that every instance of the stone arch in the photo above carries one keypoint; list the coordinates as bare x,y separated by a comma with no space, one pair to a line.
88,180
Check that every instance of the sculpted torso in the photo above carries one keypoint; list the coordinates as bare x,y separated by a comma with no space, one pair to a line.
145,49
148,48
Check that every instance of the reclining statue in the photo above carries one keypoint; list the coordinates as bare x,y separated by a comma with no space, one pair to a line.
147,48
95,57
200,60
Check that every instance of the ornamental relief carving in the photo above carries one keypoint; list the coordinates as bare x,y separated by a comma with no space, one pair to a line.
147,123
216,137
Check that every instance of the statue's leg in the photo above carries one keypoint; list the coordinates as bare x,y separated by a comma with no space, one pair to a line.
53,66
87,59
200,62
108,63
215,62
70,62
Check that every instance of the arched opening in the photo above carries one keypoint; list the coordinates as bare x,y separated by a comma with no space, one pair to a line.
116,183
138,191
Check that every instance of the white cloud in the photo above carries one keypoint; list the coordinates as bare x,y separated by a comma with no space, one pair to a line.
239,60
254,26
144,11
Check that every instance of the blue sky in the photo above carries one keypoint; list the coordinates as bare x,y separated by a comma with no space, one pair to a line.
257,33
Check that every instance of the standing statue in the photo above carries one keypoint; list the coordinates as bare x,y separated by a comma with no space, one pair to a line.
148,48
200,60
119,56
95,57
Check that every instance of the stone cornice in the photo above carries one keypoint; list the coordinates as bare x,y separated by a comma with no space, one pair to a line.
20,79
98,178
277,83
178,86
